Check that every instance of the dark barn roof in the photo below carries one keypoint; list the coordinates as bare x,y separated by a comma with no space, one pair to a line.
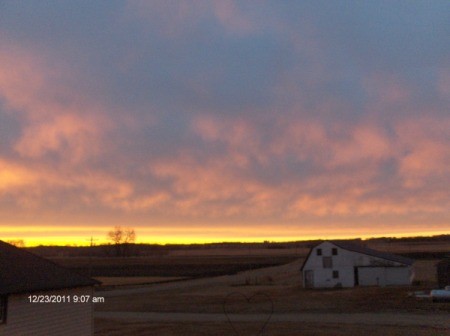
374,253
351,246
23,272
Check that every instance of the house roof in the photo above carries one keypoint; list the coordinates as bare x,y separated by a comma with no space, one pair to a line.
351,246
23,272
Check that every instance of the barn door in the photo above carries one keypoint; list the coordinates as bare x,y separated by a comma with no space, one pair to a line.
309,279
356,275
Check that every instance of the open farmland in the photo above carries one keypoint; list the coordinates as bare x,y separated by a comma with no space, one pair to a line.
196,306
414,250
171,266
205,262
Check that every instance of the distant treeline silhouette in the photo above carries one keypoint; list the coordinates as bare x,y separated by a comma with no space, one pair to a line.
110,250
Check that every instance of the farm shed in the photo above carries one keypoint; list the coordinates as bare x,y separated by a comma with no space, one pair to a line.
443,272
24,275
348,264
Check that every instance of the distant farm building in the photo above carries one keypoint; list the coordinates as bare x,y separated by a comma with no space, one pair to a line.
443,272
23,278
347,264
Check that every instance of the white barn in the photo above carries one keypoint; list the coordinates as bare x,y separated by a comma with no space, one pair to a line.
23,274
347,264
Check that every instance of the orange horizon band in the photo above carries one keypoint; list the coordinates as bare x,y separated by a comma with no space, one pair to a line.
84,240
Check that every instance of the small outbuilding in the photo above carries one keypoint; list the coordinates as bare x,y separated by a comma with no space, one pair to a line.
41,298
348,264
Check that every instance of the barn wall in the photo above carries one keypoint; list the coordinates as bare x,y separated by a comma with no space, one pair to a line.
344,262
49,319
323,277
398,275
372,276
384,276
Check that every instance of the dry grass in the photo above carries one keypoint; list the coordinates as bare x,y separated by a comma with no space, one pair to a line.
410,247
124,281
425,272
283,285
114,328
241,252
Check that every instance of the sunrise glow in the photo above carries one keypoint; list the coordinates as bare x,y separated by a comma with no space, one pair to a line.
211,123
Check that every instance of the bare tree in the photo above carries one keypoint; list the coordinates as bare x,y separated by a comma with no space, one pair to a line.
116,235
129,236
122,239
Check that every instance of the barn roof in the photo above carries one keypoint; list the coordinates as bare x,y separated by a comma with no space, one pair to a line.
23,272
346,245
350,246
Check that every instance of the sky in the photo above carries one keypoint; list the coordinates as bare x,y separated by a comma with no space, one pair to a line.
221,120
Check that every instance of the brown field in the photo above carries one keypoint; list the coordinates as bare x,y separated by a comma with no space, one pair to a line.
196,306
410,247
242,252
171,266
126,281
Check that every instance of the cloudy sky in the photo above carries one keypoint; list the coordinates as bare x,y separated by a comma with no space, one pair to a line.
224,120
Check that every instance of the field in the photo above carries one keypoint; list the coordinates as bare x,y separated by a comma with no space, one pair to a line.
232,293
138,280
171,266
196,307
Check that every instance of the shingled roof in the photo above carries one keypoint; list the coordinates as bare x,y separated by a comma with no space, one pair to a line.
24,272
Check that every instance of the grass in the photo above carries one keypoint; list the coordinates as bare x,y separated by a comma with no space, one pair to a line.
114,328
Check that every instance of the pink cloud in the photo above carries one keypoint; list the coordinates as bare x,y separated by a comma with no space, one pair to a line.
239,135
233,19
54,118
362,142
70,133
13,176
31,187
388,88
349,157
425,152
174,18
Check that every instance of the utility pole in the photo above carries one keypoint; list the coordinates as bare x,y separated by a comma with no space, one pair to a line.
90,254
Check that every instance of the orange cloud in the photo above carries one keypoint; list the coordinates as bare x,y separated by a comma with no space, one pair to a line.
32,186
54,118
239,135
425,152
365,142
349,158
20,78
74,136
13,176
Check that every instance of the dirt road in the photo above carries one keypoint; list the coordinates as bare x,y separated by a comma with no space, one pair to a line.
394,319
176,285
